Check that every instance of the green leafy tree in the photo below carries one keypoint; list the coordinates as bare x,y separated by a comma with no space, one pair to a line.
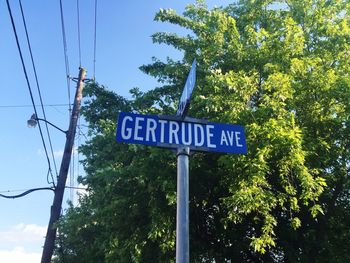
281,69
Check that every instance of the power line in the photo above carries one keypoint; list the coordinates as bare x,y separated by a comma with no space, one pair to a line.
78,153
71,173
65,51
27,79
76,188
38,89
81,131
52,180
95,33
78,20
28,191
75,164
27,106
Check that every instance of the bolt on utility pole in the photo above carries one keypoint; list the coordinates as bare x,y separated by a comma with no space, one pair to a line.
62,177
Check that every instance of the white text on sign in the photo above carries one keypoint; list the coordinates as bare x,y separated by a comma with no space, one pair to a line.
152,130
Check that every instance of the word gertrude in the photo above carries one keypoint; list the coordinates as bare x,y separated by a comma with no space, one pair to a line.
153,130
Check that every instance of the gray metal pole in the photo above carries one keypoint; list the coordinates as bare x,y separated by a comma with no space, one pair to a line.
182,216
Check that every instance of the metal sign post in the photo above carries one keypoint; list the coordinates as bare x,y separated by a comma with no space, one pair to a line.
182,214
184,134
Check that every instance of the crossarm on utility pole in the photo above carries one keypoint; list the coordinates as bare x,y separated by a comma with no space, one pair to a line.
62,177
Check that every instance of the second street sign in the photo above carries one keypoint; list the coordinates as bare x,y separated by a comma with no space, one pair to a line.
169,132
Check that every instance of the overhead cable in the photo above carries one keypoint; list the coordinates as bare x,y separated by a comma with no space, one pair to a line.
95,33
65,51
26,192
78,21
27,106
27,79
38,88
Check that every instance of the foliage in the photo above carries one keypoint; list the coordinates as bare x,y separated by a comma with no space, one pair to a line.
281,69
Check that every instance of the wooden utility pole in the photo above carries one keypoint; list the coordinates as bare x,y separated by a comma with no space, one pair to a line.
62,177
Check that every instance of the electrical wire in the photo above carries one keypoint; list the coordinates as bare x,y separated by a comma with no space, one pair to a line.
74,168
65,51
95,33
71,174
52,180
77,188
38,89
26,192
27,79
79,46
23,190
81,131
78,154
27,106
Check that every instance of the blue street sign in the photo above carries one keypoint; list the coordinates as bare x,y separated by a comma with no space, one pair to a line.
170,132
187,92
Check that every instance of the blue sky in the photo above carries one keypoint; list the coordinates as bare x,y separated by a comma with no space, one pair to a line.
123,44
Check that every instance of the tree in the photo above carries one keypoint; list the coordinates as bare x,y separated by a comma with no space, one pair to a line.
281,69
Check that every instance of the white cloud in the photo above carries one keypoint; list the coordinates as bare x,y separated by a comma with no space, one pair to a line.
23,233
80,191
40,152
31,229
19,255
21,243
58,153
